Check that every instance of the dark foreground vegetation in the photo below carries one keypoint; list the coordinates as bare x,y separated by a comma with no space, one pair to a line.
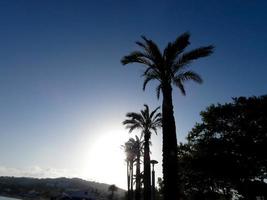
223,158
226,154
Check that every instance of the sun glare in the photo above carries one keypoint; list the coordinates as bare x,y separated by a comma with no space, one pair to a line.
106,157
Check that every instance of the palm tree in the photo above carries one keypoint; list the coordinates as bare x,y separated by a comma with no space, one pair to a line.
147,122
137,148
169,68
130,157
112,188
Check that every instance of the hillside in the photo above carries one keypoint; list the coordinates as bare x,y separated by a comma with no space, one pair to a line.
33,188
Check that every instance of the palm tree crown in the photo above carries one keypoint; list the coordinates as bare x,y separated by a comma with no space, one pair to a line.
169,67
136,145
130,151
145,121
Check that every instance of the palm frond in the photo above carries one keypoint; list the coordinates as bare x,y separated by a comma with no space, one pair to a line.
141,45
138,139
133,127
153,112
158,89
190,56
178,83
135,116
152,50
137,57
155,130
149,77
157,117
131,123
146,111
175,48
189,75
148,71
128,121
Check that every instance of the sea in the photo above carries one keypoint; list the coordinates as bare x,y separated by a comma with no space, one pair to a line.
7,198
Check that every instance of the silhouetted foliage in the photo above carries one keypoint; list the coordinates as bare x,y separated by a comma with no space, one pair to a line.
169,67
147,122
134,149
226,152
130,157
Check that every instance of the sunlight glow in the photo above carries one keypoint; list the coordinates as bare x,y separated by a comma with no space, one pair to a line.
105,158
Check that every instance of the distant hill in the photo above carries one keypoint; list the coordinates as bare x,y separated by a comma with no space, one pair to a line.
34,188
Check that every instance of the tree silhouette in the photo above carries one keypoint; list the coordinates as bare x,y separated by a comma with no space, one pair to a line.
130,157
112,188
147,122
227,150
138,149
168,68
135,146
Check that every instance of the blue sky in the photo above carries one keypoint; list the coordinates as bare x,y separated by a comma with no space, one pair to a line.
63,87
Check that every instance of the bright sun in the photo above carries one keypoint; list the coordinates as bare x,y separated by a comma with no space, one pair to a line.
106,157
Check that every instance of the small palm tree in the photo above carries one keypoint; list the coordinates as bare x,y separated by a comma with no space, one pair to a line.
130,157
112,188
146,122
137,145
169,68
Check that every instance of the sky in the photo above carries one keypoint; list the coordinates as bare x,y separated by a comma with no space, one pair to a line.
64,92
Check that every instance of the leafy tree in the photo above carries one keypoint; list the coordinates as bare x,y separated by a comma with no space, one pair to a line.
169,68
146,121
226,152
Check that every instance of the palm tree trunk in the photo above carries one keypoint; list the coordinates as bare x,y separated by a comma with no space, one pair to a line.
112,194
170,165
132,194
128,181
147,176
138,181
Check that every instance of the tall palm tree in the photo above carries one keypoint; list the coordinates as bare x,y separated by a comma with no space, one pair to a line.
147,122
137,145
130,157
134,150
169,68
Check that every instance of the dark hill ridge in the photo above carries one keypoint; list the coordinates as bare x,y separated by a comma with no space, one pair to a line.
48,187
